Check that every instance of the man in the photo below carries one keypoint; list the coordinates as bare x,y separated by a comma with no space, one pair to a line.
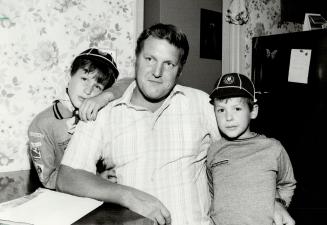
155,137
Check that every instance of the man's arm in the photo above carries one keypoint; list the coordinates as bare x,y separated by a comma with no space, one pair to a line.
90,107
83,183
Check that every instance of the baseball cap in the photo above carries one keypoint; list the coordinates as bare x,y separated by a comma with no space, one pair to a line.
233,85
101,56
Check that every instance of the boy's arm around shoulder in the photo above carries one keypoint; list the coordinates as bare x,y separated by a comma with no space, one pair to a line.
119,87
90,107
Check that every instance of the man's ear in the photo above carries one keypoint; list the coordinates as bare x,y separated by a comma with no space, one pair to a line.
255,111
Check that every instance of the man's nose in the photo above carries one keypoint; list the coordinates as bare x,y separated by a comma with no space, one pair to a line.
158,70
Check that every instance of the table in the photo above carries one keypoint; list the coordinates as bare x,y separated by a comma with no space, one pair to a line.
20,183
111,214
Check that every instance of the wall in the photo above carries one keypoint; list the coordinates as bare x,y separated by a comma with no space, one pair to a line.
38,41
198,72
151,12
264,19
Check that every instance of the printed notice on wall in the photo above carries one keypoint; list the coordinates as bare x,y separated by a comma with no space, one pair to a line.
299,66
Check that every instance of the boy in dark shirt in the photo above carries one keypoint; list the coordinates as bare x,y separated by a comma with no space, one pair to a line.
245,169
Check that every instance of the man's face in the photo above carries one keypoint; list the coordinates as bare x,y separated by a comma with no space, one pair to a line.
83,85
157,69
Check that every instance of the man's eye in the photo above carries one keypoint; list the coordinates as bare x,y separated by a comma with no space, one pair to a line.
169,65
149,59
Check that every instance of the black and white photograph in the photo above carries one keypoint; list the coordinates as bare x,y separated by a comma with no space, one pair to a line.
163,112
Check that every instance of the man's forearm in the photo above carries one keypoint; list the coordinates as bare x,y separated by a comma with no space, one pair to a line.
83,183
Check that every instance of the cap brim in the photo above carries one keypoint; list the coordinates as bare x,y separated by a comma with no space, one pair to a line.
230,92
101,60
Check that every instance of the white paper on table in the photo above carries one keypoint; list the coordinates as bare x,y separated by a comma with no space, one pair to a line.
50,208
299,66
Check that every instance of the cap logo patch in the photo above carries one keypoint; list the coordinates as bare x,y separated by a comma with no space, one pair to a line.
228,80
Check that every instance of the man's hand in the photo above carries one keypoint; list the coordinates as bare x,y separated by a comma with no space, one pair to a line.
90,107
109,175
281,216
148,206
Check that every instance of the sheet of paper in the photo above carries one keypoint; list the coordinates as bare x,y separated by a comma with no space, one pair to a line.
299,66
50,208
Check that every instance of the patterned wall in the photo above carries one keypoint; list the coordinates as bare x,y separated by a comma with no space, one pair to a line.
38,41
264,19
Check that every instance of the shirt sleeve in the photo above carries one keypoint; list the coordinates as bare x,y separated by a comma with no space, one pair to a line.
84,148
42,152
286,182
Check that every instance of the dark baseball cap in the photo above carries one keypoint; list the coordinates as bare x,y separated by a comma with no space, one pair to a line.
233,85
101,56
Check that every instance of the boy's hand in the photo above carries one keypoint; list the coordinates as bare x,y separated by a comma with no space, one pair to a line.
90,107
281,216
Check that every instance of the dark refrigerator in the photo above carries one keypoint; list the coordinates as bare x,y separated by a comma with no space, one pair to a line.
296,114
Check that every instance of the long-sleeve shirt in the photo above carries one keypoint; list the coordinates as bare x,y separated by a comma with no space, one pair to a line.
245,176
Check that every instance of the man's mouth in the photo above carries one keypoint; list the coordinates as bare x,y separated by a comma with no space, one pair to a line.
155,81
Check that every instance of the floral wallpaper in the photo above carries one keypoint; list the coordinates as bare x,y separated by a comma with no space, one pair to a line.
264,19
38,41
14,185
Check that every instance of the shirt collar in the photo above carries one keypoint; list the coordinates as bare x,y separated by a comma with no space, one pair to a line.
126,98
65,100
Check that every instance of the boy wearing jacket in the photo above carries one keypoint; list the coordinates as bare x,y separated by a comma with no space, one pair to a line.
92,72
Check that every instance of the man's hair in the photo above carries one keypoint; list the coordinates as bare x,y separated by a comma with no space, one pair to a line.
167,32
105,76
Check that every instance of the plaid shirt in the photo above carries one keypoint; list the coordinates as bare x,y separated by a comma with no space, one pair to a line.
161,153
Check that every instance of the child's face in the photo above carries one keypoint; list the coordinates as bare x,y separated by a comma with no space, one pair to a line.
83,85
233,117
